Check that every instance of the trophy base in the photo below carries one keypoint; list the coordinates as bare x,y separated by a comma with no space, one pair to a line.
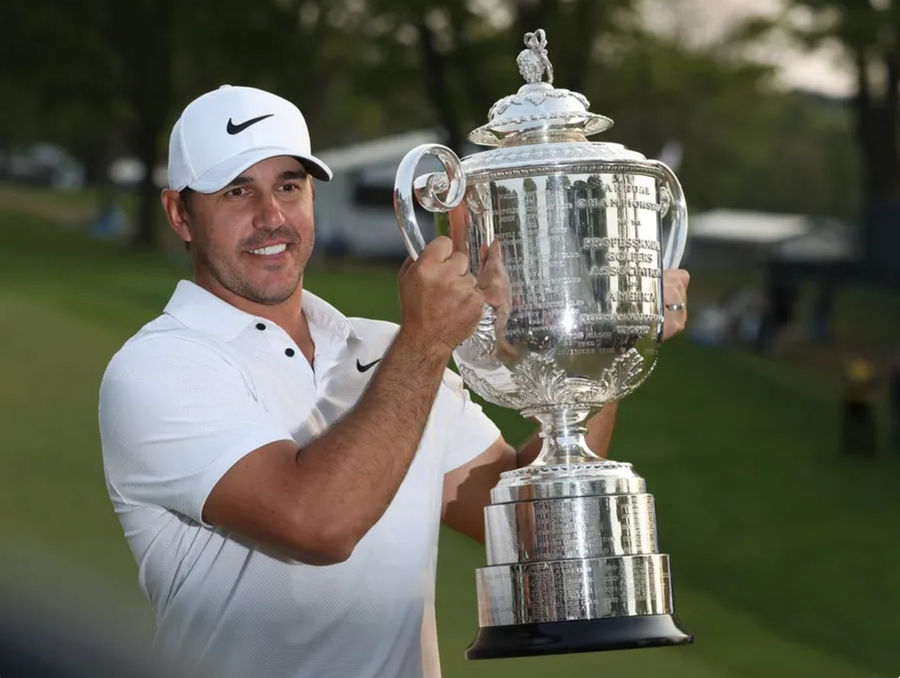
581,635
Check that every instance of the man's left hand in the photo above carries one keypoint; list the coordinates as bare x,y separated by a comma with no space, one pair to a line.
675,284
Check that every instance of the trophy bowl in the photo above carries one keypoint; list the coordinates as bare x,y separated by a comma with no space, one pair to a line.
585,230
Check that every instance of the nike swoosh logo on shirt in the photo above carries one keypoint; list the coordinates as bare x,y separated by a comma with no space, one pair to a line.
231,128
366,368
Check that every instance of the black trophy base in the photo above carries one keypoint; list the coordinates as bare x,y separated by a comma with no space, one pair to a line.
581,635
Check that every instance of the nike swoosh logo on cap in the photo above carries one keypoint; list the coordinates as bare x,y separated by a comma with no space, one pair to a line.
231,128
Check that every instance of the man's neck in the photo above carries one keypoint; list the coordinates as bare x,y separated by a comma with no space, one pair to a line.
288,314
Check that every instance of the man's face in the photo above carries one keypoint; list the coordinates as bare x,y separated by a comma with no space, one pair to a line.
253,238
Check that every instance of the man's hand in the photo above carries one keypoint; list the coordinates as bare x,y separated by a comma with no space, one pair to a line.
493,280
440,302
675,284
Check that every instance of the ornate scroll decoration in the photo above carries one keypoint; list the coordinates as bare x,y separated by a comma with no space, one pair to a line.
554,155
620,377
536,97
487,390
540,383
482,342
627,372
431,190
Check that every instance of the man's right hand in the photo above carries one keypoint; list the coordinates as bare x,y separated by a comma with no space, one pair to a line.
439,298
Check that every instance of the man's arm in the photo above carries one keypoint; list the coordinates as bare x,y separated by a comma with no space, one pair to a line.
315,503
467,489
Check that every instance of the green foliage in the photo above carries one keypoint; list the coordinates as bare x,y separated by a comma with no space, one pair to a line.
869,34
746,144
363,69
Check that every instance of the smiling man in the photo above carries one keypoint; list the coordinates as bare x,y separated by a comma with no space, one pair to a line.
280,470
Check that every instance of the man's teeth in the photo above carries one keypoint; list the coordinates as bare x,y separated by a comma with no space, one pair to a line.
271,249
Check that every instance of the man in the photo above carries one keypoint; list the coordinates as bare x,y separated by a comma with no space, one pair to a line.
280,471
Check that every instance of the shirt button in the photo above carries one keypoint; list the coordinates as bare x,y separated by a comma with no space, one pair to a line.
260,326
289,352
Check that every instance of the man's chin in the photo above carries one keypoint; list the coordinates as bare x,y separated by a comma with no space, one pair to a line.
268,295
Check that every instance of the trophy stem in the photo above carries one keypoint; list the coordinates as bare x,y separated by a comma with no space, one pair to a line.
563,432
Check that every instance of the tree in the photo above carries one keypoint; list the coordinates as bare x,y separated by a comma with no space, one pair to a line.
360,70
98,79
869,33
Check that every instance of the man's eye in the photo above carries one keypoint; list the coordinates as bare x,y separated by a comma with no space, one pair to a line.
287,188
235,192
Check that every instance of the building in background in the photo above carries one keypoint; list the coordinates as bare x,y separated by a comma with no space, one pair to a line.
787,250
354,211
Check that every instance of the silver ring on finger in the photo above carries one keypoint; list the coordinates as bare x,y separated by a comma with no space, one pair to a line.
675,308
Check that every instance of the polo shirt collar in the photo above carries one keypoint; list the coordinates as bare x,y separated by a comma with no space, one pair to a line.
203,311
321,314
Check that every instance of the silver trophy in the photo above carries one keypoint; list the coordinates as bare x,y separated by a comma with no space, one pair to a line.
585,231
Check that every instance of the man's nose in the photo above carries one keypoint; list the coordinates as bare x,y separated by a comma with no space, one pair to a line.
269,214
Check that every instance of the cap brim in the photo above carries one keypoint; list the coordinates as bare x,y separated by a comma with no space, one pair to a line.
218,177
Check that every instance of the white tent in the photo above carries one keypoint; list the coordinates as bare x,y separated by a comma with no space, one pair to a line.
751,228
724,237
354,211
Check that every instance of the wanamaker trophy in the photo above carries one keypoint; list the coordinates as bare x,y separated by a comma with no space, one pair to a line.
585,231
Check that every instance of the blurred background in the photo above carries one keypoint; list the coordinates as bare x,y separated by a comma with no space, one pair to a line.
769,433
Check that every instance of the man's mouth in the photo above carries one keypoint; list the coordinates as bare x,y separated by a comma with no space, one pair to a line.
270,250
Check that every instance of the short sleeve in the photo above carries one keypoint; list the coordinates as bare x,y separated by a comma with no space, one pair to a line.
175,414
471,431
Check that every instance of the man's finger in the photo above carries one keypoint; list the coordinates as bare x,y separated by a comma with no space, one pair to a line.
405,266
438,249
458,263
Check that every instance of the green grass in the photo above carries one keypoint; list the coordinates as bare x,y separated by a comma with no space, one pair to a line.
783,553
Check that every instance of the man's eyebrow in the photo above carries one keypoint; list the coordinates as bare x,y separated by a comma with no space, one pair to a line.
294,174
239,181
286,175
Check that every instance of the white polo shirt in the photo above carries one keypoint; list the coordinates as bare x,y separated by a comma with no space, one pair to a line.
189,395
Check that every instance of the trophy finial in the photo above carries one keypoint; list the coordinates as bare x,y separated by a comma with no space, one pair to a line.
533,62
537,107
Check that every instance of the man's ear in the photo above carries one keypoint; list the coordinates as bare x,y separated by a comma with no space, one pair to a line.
177,213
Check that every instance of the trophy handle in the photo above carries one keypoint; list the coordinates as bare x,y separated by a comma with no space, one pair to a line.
441,192
672,201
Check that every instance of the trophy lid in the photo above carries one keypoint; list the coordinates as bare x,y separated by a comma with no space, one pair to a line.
538,112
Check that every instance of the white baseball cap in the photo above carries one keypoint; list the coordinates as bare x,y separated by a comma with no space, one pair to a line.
223,132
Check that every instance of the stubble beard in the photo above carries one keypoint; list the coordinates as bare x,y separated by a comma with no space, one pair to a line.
257,294
231,279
